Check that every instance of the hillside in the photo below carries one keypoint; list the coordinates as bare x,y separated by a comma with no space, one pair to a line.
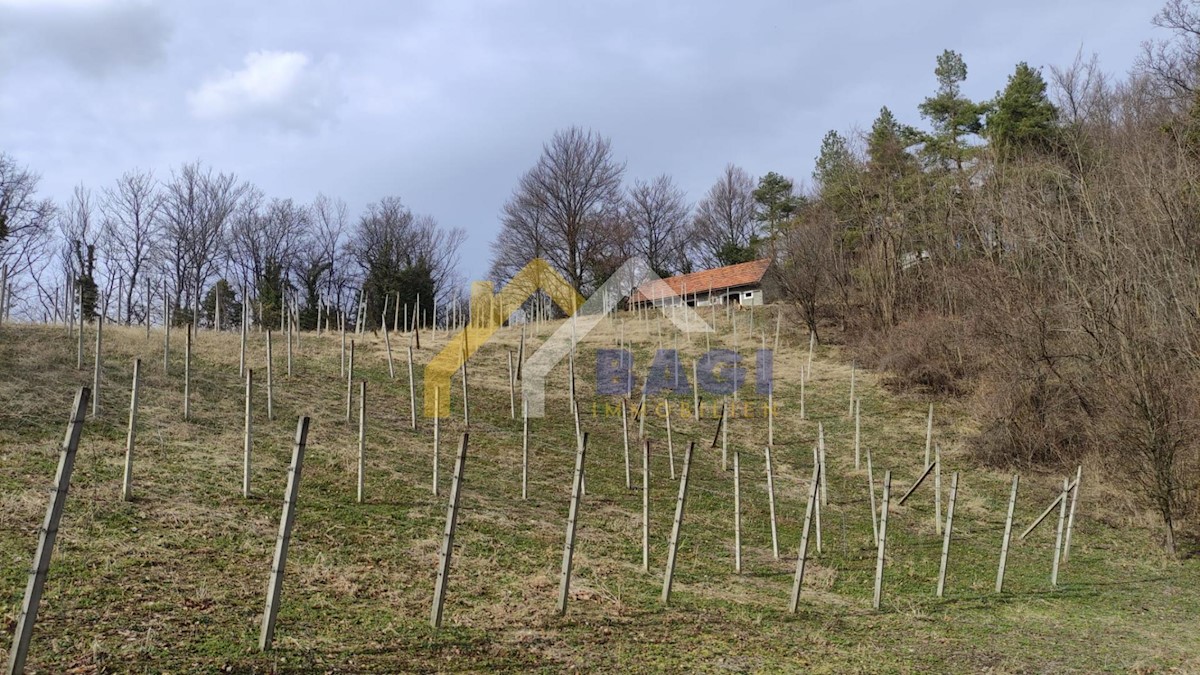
175,580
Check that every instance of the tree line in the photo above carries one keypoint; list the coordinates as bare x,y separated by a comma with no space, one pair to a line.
144,242
574,209
1037,253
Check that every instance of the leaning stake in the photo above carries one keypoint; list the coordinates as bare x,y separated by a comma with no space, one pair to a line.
49,532
275,586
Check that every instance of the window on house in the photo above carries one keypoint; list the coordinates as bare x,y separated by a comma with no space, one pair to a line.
749,294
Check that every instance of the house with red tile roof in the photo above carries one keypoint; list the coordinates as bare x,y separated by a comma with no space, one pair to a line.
741,284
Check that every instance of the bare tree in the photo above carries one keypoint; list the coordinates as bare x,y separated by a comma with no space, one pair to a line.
324,264
197,205
81,238
660,229
265,242
564,203
25,224
132,229
726,228
1174,64
403,253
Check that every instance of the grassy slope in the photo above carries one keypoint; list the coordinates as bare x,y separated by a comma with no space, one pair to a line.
175,581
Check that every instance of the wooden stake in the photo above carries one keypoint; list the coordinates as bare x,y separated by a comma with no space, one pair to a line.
850,412
695,393
350,384
525,448
871,489
812,341
187,375
127,481
437,432
1040,518
771,415
917,484
342,323
802,558
821,457
1062,519
641,415
883,518
270,379
670,441
512,387
937,487
242,353
857,432
466,398
248,436
771,503
820,480
166,328
1066,555
286,520
387,344
928,434
737,512
412,392
564,585
47,535
646,506
1008,521
362,437
97,366
443,575
802,379
941,586
625,438
673,545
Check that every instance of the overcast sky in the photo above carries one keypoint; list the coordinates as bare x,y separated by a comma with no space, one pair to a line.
445,104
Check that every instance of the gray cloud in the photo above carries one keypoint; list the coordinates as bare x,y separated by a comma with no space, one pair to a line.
93,37
276,88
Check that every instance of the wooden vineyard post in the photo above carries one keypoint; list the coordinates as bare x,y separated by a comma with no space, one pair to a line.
824,475
288,336
437,435
286,520
443,574
937,487
47,536
673,545
853,370
928,434
670,441
1066,554
362,438
525,448
564,585
802,379
350,384
802,558
812,341
342,324
941,585
187,375
1008,520
270,379
737,512
79,342
625,438
646,506
724,436
242,356
1058,540
387,345
127,480
871,489
771,415
641,415
695,393
248,436
857,433
466,399
412,393
771,503
97,366
879,558
512,387
166,328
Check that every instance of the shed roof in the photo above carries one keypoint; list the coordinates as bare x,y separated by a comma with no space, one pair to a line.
714,280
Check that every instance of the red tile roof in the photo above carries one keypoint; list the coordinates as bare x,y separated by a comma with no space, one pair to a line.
698,283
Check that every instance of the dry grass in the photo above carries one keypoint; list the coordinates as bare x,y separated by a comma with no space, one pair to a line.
175,580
